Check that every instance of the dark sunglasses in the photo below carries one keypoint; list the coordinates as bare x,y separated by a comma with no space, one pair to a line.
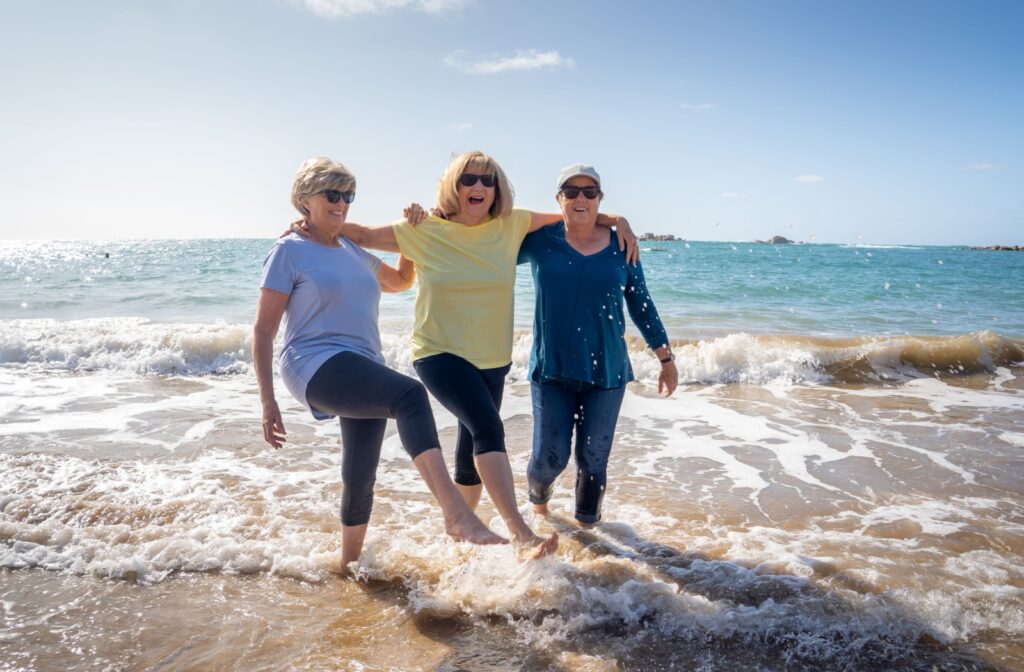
333,196
572,192
469,179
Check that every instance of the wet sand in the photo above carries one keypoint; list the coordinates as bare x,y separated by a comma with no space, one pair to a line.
804,527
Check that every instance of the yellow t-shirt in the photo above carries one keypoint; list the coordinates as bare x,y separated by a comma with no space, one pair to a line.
466,278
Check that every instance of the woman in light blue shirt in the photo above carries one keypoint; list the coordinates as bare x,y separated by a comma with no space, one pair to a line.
579,365
327,290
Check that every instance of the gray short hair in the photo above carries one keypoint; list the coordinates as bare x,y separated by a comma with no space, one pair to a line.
317,174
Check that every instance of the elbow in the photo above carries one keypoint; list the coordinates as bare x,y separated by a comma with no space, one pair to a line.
262,335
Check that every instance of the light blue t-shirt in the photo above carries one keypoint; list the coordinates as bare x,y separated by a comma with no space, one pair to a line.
332,306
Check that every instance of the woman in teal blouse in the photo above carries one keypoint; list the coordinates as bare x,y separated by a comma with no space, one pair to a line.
579,365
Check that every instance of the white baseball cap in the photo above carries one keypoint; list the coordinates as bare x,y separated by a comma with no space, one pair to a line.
576,170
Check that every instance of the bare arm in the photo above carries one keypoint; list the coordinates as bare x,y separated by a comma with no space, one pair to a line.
269,311
627,239
373,237
396,279
539,220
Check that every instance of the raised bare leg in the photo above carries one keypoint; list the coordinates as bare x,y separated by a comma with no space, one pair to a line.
496,473
459,520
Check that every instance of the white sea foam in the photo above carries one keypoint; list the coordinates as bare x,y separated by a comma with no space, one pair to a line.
741,358
140,347
127,344
211,498
147,520
246,511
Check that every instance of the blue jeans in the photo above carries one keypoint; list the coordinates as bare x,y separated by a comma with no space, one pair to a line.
558,409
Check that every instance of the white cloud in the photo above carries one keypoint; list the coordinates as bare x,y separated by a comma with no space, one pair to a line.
697,107
980,166
341,8
459,127
528,59
733,194
809,178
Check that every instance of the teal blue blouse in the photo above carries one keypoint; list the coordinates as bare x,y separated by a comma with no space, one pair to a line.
578,325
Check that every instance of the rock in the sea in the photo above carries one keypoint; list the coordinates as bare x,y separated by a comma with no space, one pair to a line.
1005,248
776,240
657,236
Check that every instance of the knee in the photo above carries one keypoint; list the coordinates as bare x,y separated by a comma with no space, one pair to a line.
546,465
489,436
412,400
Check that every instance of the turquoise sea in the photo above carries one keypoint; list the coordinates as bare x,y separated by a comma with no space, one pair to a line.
838,483
702,289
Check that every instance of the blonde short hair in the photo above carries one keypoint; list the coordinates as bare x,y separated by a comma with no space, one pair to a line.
317,174
478,162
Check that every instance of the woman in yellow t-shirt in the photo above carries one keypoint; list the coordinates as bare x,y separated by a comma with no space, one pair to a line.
462,339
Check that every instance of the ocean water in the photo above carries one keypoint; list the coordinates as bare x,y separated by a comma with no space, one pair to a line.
838,483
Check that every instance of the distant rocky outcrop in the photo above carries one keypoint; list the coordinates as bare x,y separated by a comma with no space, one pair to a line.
1005,248
657,236
776,240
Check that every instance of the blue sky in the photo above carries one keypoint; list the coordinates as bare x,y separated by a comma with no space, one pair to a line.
872,122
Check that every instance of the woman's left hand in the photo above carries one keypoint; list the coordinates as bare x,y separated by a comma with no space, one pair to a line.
627,240
668,379
414,214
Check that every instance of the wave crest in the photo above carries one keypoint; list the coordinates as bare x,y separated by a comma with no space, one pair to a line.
132,345
744,358
142,347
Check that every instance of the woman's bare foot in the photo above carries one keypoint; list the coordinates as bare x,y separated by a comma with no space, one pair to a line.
533,547
468,527
579,523
541,509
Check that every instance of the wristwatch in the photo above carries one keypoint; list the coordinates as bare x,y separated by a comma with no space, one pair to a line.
670,358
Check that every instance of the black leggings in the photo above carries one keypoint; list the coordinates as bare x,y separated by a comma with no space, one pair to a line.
364,394
474,397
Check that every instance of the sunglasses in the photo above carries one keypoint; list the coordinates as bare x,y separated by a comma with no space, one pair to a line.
333,196
572,192
469,179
